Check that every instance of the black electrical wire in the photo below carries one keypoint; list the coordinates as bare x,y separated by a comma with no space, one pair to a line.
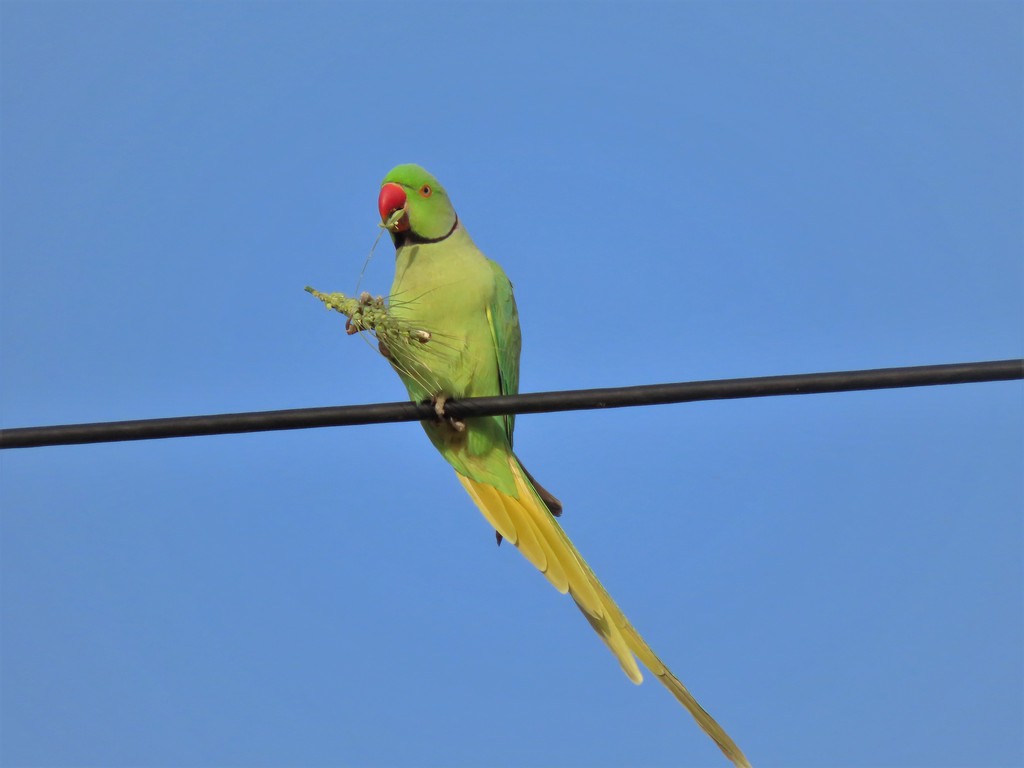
540,402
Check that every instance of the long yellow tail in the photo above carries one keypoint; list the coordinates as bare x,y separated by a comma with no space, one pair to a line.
527,523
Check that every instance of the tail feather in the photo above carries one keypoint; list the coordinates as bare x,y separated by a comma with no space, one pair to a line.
533,537
528,523
500,511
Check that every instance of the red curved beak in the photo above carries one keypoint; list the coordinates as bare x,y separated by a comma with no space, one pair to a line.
392,198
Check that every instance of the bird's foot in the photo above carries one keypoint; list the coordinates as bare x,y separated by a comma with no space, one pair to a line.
439,402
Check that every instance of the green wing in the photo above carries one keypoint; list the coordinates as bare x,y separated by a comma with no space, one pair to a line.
503,319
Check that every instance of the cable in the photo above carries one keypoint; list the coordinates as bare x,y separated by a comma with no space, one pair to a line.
540,402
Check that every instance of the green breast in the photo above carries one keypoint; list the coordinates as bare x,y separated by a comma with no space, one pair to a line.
444,289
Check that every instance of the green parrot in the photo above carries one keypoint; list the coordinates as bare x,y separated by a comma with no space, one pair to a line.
460,307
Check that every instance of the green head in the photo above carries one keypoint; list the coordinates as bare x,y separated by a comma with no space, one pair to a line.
427,213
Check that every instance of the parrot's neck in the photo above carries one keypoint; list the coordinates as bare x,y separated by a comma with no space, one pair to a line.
411,238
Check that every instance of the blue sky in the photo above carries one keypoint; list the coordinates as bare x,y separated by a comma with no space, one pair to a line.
678,191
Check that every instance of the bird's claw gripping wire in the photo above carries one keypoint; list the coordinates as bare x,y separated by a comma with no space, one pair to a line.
439,402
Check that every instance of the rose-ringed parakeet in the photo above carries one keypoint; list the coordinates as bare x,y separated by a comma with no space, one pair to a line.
458,305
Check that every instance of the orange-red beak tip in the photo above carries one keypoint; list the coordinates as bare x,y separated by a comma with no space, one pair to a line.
392,198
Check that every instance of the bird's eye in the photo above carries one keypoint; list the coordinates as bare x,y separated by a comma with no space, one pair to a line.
425,190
